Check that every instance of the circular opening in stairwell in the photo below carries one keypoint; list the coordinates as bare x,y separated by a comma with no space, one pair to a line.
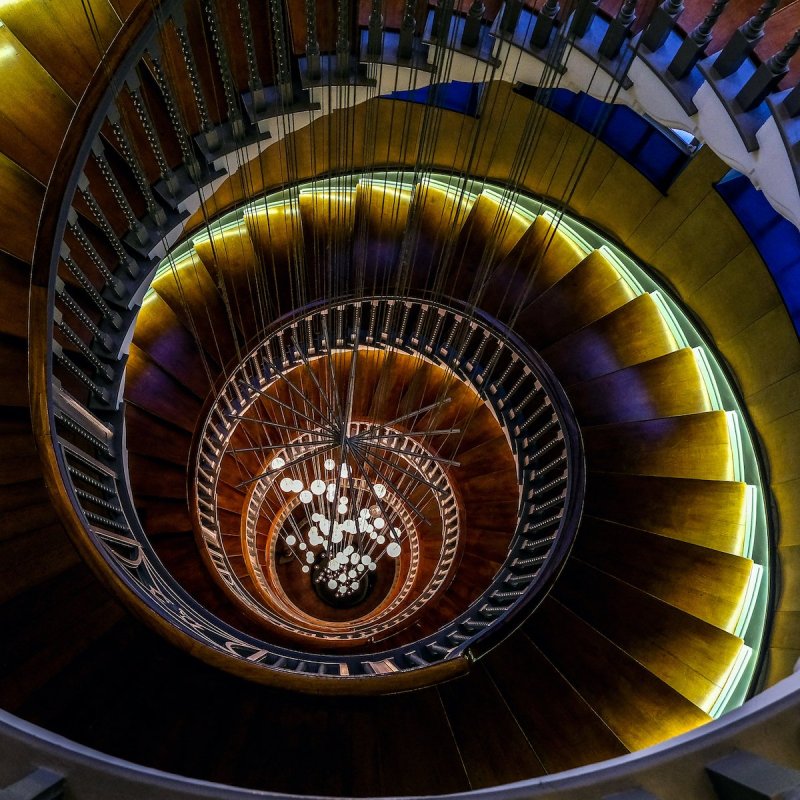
346,428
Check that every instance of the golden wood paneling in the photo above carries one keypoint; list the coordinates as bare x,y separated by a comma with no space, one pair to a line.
701,245
690,446
685,194
732,298
764,352
622,200
702,512
661,566
663,387
787,497
776,400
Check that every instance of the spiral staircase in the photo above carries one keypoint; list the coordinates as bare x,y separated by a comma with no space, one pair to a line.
188,187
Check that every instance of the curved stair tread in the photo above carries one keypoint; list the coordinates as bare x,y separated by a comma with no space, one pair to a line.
489,233
588,292
688,446
148,434
36,111
491,742
192,295
668,386
633,333
436,215
160,334
48,625
692,656
61,40
541,257
379,224
702,512
640,708
564,730
660,566
149,387
236,268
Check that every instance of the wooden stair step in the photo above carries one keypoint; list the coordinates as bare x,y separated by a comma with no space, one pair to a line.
631,334
591,290
491,742
668,386
689,446
702,512
639,708
692,656
563,729
705,583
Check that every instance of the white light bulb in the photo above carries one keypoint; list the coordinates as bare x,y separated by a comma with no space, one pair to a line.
297,486
306,496
309,558
332,584
393,550
380,490
365,559
277,463
317,487
381,539
306,568
372,566
355,558
329,464
344,472
286,484
379,523
354,585
291,539
303,546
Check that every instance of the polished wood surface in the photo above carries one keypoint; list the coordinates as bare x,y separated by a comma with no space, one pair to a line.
658,565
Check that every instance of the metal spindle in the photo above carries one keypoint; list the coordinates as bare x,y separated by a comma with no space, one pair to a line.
743,41
768,75
694,46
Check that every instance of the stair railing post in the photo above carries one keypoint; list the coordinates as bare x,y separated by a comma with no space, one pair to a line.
545,21
768,75
313,58
511,14
661,24
693,47
375,30
472,25
405,47
743,41
582,19
618,30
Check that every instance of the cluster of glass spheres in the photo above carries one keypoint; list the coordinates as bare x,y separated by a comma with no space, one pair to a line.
345,530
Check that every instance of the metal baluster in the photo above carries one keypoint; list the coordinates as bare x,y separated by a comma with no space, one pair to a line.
153,208
69,302
743,41
375,30
584,16
768,75
313,61
114,283
86,351
694,46
235,119
618,30
187,152
661,23
405,48
440,29
254,81
343,39
108,313
545,21
137,229
210,134
140,107
470,37
284,73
